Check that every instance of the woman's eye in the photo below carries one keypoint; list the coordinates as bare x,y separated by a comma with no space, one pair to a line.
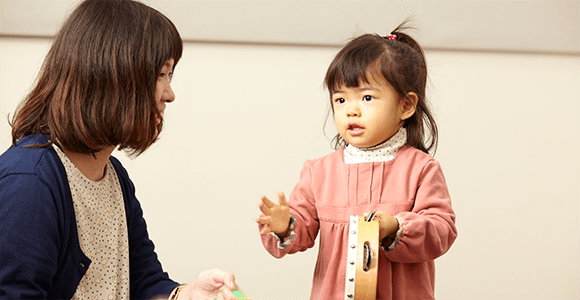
368,98
163,75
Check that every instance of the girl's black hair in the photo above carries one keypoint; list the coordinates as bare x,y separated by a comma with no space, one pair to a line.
401,61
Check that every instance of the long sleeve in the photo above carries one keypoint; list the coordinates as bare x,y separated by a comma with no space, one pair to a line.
429,228
29,241
38,254
305,215
410,187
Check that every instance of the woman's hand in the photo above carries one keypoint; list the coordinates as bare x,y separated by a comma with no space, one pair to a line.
277,216
209,285
388,225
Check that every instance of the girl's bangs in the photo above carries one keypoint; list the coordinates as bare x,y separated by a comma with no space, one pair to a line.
353,64
347,74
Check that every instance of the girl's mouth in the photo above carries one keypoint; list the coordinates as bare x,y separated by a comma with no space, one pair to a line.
355,129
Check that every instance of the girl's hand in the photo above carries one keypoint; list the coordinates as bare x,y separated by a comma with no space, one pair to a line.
277,219
388,225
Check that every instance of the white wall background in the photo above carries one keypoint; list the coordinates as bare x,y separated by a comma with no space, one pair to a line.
250,108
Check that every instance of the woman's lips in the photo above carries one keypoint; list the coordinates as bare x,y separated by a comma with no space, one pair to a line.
159,117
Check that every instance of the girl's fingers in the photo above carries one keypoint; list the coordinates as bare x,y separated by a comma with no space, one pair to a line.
265,209
263,220
365,215
382,215
266,230
282,199
268,202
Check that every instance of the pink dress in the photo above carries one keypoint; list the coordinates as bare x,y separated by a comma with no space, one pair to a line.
411,187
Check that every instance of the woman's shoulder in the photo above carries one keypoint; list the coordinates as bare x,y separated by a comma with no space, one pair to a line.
119,168
32,176
23,158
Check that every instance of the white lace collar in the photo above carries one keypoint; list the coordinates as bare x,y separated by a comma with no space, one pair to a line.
382,152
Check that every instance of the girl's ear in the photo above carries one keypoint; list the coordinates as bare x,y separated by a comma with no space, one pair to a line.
409,105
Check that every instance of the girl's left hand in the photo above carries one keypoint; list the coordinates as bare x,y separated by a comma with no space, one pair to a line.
388,225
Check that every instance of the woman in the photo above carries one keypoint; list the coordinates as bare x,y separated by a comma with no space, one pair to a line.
70,225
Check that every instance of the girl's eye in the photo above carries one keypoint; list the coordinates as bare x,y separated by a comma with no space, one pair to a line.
368,98
339,100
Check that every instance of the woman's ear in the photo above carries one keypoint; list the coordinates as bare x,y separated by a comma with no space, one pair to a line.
409,105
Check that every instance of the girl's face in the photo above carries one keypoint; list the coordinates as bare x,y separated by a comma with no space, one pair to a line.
371,113
163,92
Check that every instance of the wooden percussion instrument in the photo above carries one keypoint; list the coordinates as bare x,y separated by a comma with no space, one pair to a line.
362,258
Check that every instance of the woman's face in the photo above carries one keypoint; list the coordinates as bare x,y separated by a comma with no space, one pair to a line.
163,92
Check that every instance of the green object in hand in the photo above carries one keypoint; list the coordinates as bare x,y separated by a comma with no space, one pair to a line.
239,295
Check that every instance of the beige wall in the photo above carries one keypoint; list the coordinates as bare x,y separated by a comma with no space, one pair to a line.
247,116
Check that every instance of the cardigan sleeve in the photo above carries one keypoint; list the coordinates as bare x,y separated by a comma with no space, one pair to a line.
429,228
29,237
146,274
305,215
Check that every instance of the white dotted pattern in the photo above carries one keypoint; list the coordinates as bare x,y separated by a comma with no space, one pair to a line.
382,152
102,228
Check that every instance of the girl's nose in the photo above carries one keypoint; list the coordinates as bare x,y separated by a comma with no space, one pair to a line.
353,111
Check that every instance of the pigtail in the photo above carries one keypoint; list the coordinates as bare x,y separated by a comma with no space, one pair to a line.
422,131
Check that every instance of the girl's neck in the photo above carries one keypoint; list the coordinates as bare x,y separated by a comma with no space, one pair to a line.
91,166
379,153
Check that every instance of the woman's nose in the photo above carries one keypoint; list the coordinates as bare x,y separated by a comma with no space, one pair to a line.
168,94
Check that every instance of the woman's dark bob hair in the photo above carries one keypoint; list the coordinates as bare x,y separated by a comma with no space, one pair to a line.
96,88
401,62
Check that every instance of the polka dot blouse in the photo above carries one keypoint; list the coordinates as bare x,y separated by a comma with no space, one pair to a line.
102,229
382,152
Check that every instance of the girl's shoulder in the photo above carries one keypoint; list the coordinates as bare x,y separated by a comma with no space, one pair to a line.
335,157
414,161
411,153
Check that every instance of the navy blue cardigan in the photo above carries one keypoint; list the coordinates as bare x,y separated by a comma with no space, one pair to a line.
40,256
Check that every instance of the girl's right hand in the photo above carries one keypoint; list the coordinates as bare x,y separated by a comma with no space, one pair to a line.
277,216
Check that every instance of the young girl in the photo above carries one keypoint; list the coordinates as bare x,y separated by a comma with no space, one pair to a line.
377,92
71,226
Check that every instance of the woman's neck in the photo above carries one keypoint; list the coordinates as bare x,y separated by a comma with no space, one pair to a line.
91,165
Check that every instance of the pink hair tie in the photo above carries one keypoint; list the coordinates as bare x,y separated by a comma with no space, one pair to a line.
391,37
